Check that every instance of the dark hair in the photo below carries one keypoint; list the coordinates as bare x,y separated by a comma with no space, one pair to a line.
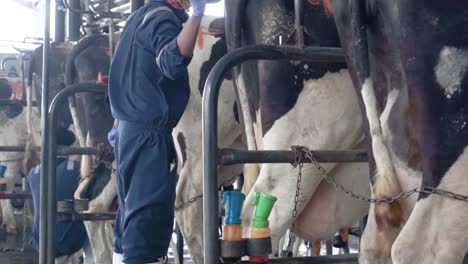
65,137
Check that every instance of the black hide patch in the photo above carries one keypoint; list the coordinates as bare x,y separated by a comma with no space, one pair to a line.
218,50
235,109
183,147
99,179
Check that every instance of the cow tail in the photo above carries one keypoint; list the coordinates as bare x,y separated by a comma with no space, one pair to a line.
388,216
31,156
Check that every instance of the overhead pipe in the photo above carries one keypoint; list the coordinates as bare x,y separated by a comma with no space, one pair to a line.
74,9
60,12
210,124
233,156
47,237
108,14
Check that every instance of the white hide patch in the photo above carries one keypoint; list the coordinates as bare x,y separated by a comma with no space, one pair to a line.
451,70
448,236
381,153
325,116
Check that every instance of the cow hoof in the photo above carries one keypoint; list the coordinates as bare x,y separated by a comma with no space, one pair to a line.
338,242
355,231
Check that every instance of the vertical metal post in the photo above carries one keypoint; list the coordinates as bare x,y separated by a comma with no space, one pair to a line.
23,76
44,258
74,20
51,200
210,173
59,21
51,156
110,3
298,10
89,18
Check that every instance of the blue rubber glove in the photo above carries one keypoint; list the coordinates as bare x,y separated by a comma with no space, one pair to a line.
198,7
111,136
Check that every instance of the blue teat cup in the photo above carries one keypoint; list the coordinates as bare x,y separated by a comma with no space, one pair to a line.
233,202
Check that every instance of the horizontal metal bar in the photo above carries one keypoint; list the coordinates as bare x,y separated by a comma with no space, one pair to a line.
341,259
64,151
10,196
234,156
72,217
5,102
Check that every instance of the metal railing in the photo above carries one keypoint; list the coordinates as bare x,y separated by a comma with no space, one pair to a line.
212,157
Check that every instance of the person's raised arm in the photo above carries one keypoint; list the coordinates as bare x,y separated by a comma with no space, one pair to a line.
173,52
188,36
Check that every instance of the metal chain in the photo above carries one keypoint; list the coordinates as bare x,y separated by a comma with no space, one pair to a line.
297,163
303,153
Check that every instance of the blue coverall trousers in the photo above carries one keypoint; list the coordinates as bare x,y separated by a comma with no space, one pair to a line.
146,191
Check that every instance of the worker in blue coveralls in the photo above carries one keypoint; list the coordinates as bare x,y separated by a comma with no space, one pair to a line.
71,236
148,91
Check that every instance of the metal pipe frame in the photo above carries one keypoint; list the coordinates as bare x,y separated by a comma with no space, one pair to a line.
49,153
210,124
74,217
6,102
233,156
341,259
45,256
63,151
10,196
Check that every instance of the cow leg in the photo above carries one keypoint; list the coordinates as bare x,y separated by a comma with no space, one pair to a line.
190,221
316,247
99,232
437,229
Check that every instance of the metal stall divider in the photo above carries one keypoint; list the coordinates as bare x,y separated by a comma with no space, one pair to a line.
211,156
44,257
48,172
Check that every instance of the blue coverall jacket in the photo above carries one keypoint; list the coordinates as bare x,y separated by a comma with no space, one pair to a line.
148,90
70,236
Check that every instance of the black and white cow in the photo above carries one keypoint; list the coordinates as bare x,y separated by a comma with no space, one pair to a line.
187,134
91,117
299,104
88,62
14,122
408,61
13,132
